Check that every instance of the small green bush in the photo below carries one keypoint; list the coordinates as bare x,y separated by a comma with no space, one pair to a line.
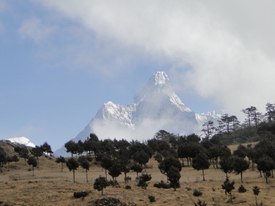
242,189
113,183
162,184
80,194
142,184
197,193
152,198
200,203
145,177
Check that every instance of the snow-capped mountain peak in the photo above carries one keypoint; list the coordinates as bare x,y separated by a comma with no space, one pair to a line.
22,140
158,90
156,107
160,78
118,113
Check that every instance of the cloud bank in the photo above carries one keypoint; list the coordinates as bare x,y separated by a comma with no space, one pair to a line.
218,50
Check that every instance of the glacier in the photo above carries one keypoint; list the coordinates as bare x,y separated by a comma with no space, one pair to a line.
156,107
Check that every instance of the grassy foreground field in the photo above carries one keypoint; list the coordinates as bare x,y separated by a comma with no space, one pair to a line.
50,186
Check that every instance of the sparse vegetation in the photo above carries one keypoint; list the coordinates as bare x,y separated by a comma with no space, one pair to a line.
80,194
256,191
128,187
143,179
173,153
228,187
200,203
242,189
197,193
152,198
162,184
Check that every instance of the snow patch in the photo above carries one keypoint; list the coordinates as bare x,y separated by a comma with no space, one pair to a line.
161,78
22,140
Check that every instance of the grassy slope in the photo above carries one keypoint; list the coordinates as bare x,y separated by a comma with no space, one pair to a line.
51,187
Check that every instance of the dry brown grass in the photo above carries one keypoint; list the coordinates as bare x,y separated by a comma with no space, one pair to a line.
50,186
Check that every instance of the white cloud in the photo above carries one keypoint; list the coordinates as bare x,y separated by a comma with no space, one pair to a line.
34,29
221,50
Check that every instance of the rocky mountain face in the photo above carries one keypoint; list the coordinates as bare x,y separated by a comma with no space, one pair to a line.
156,107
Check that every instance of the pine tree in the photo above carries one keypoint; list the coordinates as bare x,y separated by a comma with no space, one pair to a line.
240,165
174,177
72,164
100,183
62,161
32,161
201,162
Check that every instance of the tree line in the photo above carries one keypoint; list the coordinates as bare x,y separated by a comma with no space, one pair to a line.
30,155
174,152
232,131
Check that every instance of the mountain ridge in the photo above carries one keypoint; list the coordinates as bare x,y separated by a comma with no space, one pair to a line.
156,107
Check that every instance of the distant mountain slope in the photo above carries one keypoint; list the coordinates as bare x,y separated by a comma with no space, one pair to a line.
155,107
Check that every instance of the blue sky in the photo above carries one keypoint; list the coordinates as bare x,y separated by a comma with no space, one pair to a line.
61,60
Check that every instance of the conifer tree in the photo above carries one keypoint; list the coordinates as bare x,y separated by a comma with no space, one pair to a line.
240,165
62,161
72,164
174,177
100,183
3,158
33,162
201,162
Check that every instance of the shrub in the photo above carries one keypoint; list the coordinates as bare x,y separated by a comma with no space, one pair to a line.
256,191
197,193
143,179
80,194
152,198
113,183
142,184
228,187
127,179
128,187
242,189
162,184
89,158
200,203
